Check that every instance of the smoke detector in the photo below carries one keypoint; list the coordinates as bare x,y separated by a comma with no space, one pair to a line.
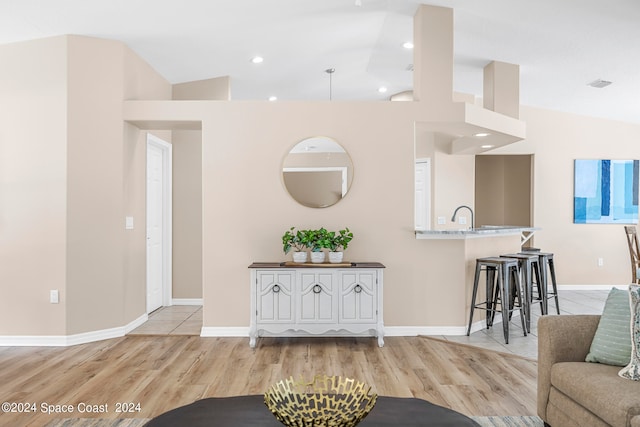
599,83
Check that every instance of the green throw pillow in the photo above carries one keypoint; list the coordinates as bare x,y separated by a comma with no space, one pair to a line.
611,344
632,370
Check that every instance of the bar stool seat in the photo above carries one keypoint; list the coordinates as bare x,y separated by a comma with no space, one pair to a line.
502,278
546,261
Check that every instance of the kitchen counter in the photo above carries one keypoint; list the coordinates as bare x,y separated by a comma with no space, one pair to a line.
483,231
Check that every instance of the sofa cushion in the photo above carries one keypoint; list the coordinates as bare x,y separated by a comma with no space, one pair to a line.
599,389
632,370
611,344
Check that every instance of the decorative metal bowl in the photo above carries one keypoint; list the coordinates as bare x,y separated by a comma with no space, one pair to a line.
327,401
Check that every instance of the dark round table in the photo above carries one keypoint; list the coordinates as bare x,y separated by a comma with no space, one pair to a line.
251,411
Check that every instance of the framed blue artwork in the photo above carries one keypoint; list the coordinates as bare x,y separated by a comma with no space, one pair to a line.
605,192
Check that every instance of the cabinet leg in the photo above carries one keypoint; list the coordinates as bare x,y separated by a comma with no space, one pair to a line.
380,333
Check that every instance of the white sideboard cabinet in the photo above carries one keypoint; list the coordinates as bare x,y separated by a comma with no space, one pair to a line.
304,299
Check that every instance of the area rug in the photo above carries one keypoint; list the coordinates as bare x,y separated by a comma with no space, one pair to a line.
98,422
140,422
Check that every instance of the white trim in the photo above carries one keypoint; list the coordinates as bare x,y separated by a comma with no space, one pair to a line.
137,322
167,232
69,340
229,331
187,301
590,287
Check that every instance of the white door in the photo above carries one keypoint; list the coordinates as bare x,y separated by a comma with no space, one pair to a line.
422,195
158,223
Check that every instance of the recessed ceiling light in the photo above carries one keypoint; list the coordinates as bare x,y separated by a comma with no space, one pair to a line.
257,59
273,98
486,146
407,45
599,83
481,134
382,89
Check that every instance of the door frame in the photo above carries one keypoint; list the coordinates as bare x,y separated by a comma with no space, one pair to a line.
167,220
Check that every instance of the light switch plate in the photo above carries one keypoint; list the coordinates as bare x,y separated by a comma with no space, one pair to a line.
462,220
54,296
128,223
442,220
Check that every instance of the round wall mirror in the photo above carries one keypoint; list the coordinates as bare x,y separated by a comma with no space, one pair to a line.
317,172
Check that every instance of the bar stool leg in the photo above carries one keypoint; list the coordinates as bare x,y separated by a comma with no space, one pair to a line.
526,274
473,297
542,295
552,270
503,283
519,292
491,292
545,283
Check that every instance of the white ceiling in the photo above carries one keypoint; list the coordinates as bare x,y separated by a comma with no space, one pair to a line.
560,45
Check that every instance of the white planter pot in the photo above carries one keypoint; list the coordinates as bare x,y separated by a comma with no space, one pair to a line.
300,257
335,257
317,257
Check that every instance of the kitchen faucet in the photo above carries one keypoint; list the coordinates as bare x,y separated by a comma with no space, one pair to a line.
453,218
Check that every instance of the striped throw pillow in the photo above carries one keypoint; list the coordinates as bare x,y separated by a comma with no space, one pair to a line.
611,344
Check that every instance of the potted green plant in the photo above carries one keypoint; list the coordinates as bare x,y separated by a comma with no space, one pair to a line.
338,242
299,241
319,242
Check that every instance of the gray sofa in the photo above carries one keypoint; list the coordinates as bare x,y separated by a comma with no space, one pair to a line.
574,393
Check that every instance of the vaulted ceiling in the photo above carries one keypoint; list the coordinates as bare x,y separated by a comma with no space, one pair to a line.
560,46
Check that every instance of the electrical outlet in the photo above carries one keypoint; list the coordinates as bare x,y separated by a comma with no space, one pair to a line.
442,220
600,262
54,296
462,220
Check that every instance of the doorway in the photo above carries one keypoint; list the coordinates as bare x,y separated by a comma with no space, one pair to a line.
159,223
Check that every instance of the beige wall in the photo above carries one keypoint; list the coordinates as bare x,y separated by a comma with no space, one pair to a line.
187,214
94,185
557,139
70,170
503,190
33,186
140,81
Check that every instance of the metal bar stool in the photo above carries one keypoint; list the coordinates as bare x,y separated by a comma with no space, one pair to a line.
528,264
508,279
546,261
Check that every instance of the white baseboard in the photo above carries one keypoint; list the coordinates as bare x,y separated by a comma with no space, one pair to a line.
590,287
69,340
230,331
186,301
134,324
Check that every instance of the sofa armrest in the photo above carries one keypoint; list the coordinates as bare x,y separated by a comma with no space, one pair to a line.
565,338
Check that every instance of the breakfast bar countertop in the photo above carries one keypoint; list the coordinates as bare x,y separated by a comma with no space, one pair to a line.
469,233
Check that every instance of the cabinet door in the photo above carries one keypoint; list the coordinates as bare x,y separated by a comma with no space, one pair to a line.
358,296
316,297
274,296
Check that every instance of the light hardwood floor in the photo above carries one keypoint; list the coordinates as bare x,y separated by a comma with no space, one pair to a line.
165,371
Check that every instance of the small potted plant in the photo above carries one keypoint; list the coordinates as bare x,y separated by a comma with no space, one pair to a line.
338,242
319,242
299,241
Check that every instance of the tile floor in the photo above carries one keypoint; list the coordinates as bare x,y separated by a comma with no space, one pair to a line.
172,320
187,320
571,302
